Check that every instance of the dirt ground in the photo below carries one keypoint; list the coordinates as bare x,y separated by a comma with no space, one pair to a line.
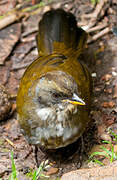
18,50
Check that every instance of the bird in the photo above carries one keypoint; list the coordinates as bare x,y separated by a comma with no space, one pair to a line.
54,95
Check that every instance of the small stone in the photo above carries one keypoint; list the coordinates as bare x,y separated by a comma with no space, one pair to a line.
94,75
114,73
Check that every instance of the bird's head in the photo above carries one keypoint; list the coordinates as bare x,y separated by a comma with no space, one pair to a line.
55,89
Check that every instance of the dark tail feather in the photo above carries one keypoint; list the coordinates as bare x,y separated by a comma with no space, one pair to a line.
58,33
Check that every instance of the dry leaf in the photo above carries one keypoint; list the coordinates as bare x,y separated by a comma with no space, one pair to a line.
52,170
108,104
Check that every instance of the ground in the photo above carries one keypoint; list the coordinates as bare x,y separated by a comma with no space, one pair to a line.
18,50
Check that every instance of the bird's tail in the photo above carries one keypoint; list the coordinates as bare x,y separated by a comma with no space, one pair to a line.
58,33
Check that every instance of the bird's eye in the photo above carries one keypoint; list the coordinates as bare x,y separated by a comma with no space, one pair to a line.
56,95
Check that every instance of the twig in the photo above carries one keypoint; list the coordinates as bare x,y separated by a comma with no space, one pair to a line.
27,33
97,10
7,20
10,142
100,34
94,15
16,14
21,66
98,27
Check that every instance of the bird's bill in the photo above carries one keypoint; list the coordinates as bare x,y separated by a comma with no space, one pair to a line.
75,100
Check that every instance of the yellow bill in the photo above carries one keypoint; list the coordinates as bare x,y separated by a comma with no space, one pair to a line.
75,100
